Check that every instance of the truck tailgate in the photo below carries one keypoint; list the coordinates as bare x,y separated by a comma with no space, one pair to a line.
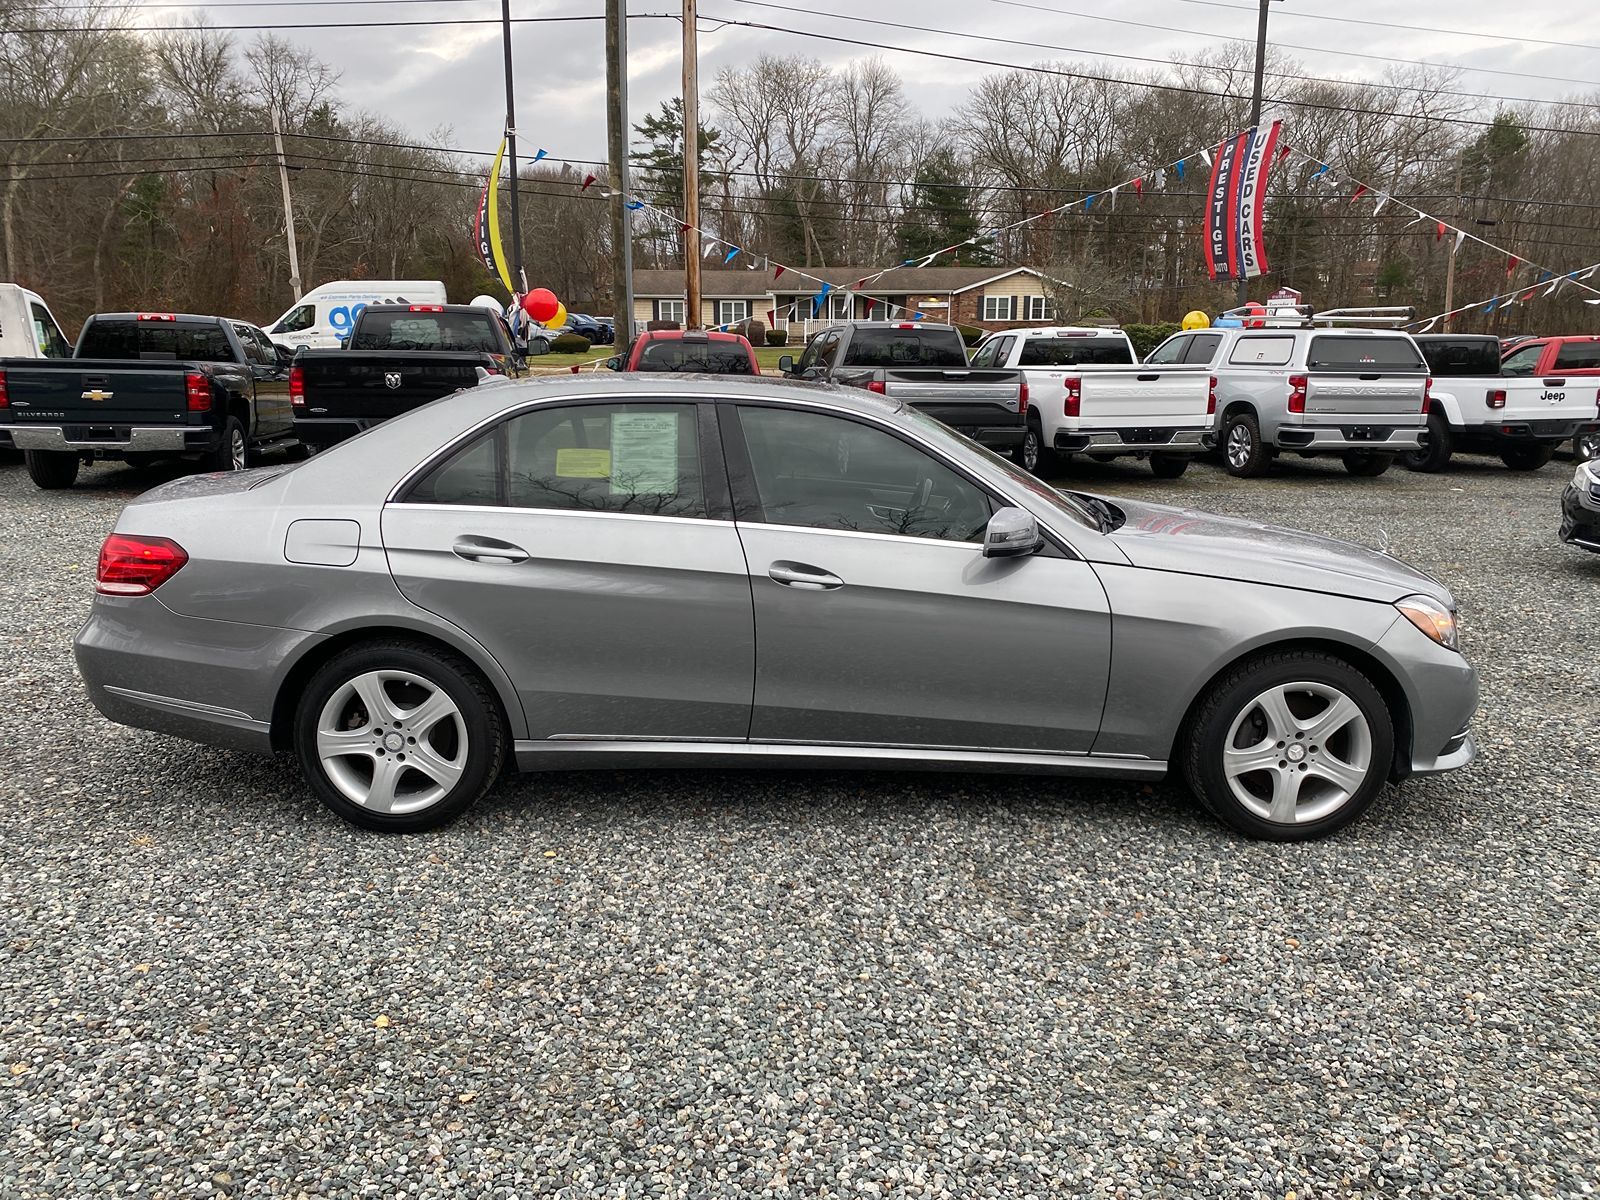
1554,398
1134,396
87,391
1387,394
380,383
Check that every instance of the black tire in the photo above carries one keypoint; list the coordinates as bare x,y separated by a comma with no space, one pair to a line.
1231,700
1367,464
1168,466
232,452
1527,458
1243,454
51,470
1438,443
297,452
481,724
1033,456
1586,446
141,460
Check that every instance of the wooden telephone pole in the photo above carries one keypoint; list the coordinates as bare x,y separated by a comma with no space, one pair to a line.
691,167
288,205
617,152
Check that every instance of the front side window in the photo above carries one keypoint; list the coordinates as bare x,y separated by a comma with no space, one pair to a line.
1524,360
300,318
621,458
1170,351
825,472
999,308
732,312
47,336
985,357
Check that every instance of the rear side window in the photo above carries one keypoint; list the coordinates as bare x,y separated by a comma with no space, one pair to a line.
705,358
1075,352
426,331
185,341
1203,348
890,348
1448,357
1262,351
1577,355
1364,354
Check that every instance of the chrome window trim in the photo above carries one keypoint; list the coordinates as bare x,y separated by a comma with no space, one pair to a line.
513,511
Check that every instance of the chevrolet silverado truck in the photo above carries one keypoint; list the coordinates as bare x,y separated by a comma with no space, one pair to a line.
398,357
1088,394
144,386
1478,407
925,366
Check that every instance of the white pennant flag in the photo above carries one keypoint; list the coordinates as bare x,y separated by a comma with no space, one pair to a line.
1161,177
711,248
1114,198
1383,198
1589,274
1206,154
1461,236
1431,323
1554,288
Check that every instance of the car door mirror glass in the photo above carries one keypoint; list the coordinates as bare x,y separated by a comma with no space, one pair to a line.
1011,533
786,364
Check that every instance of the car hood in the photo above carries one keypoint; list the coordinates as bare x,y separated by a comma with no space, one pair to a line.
1186,540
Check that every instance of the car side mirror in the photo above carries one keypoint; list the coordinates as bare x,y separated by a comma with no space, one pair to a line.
1011,533
786,364
285,355
613,363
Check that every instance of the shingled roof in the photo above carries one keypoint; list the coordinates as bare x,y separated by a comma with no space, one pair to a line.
718,283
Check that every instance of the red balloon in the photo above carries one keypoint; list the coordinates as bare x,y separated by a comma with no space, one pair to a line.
1255,315
540,304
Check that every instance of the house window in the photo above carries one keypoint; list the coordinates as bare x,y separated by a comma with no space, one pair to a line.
841,306
999,308
1039,308
731,312
670,310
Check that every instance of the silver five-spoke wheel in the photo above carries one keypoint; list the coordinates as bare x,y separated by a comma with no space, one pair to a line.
1298,752
392,741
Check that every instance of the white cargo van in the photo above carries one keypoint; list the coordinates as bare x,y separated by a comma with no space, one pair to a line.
322,317
27,327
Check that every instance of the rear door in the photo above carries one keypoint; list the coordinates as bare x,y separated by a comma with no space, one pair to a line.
590,548
1365,376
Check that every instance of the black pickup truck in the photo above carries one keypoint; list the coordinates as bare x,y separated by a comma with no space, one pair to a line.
398,357
144,386
925,365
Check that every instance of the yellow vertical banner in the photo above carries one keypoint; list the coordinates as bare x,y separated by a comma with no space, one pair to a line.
494,220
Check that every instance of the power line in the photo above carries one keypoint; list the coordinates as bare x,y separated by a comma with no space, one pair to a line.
326,24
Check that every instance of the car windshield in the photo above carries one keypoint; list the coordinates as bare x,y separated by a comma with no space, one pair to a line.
185,341
1075,352
1067,505
1364,354
426,331
878,347
701,358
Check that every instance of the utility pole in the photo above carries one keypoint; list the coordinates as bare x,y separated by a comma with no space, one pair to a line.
617,151
691,166
1255,104
288,204
1450,267
517,276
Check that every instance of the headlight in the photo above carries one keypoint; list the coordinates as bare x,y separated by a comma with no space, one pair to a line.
1433,618
1587,473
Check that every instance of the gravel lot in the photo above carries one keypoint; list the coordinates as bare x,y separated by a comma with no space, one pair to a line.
699,984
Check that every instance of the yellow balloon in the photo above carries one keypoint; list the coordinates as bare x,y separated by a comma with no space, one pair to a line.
560,319
1196,320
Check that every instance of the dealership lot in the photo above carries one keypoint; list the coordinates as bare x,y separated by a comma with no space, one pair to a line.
844,984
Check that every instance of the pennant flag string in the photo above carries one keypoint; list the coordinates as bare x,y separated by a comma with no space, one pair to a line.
1508,299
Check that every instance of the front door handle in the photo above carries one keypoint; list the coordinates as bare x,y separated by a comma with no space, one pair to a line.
487,550
803,576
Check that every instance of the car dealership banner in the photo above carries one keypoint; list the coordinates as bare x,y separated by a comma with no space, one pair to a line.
1236,202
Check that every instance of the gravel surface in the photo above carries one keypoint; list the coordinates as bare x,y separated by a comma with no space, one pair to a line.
736,984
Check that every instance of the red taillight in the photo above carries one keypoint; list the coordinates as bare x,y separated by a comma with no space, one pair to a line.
5,401
1297,393
198,389
136,566
158,316
1074,401
427,308
297,387
1211,398
1022,398
1427,394
879,386
905,325
1496,399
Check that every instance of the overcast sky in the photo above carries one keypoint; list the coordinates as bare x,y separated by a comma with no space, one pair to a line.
425,78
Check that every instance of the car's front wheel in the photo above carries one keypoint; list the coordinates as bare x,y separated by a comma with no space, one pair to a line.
1290,746
399,736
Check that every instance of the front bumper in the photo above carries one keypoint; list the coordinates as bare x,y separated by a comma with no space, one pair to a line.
1111,442
1580,517
1441,691
109,439
1370,438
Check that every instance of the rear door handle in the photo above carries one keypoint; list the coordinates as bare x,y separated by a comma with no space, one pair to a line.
487,550
803,576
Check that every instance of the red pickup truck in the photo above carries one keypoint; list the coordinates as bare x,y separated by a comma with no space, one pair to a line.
688,351
1558,360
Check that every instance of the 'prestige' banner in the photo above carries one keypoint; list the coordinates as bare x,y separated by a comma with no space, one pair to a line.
1236,204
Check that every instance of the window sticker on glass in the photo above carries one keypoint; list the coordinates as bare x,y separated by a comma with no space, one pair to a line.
644,453
574,463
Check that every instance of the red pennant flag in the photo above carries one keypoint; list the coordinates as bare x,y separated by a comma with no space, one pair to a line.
871,304
574,368
1361,190
587,180
1512,264
777,270
860,283
1283,153
1439,235
682,228
1528,295
1138,188
772,318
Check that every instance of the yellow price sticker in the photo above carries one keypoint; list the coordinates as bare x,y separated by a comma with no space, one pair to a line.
583,464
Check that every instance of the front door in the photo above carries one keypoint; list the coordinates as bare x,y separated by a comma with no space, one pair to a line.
879,621
589,548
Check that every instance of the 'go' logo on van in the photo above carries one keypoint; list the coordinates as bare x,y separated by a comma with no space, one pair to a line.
343,317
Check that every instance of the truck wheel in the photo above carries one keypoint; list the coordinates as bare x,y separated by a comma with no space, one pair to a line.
1527,458
51,469
1242,452
233,449
1033,455
1437,444
1168,466
1366,464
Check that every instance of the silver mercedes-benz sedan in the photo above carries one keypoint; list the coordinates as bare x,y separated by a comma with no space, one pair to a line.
630,571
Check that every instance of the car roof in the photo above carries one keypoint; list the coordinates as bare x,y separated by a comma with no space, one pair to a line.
427,306
679,335
164,317
1076,330
891,325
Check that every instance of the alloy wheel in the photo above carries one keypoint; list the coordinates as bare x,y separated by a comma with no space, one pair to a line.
1240,446
1298,752
1586,447
392,741
1030,450
238,451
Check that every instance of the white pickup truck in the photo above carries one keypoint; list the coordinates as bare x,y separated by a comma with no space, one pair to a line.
1087,394
1481,407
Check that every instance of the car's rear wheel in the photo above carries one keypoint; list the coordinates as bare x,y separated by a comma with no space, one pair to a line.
233,448
399,736
51,469
1242,452
1436,446
1168,466
1527,458
1290,746
1366,464
1033,455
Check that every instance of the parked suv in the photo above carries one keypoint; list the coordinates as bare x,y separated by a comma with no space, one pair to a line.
1295,384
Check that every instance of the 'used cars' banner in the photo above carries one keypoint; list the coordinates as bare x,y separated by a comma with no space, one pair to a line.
1236,202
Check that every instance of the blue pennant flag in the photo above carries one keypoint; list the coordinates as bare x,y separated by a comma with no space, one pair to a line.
1545,275
539,155
816,301
731,255
917,316
634,204
1322,169
1490,307
1088,201
1178,168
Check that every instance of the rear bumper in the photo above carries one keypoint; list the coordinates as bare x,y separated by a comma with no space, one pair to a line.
1372,438
1135,441
117,439
988,424
326,431
1521,432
